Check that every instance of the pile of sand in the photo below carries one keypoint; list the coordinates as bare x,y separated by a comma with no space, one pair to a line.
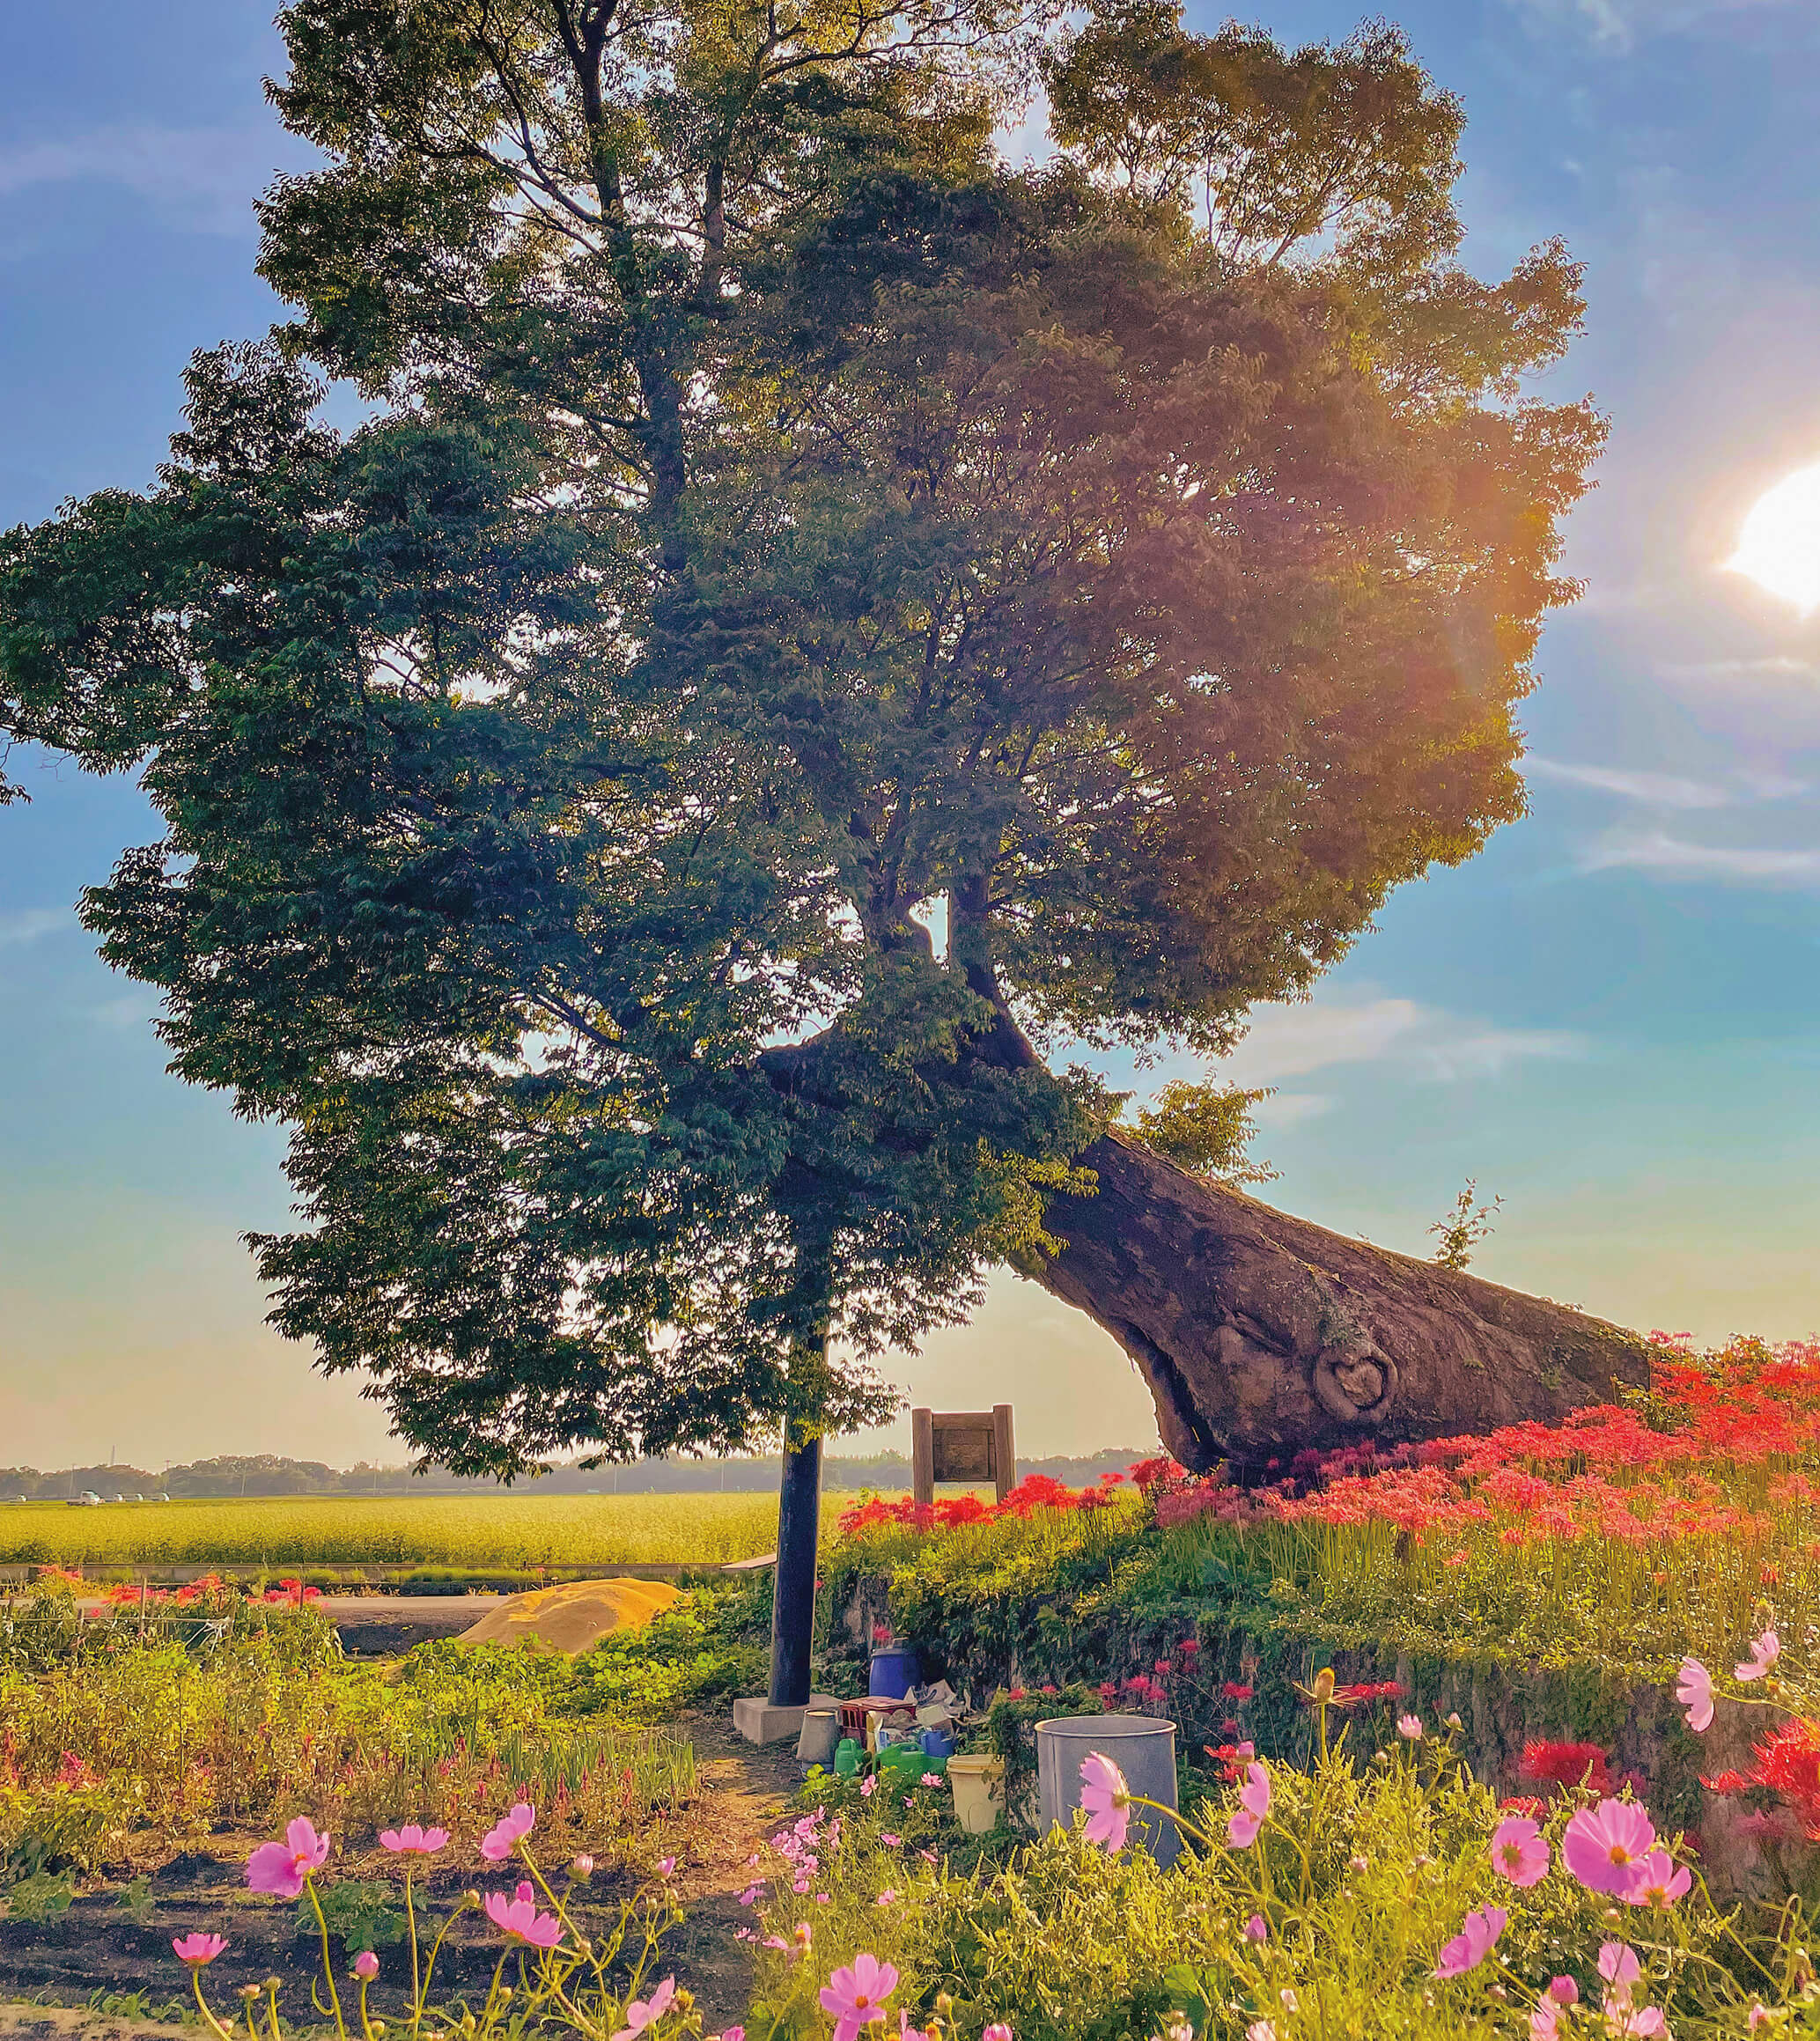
573,1616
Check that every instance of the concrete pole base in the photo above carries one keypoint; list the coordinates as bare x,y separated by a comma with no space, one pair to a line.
761,1722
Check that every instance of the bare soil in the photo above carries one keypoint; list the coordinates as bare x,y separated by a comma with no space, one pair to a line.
97,1950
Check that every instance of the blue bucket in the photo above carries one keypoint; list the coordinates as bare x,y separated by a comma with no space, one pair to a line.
938,1744
894,1673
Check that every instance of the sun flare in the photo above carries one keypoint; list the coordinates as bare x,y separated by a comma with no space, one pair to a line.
1778,548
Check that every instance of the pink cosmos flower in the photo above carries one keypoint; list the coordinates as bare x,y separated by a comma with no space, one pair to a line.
888,1898
1544,2022
932,1779
889,1840
665,1866
518,1918
507,1833
1410,1729
643,2013
1657,1883
996,2031
1107,1800
1257,1929
855,1995
868,1786
282,1868
582,1866
1764,1651
1695,1693
1619,1966
1603,1845
1473,1944
366,1966
199,1948
1254,1805
413,1840
1518,1851
731,2034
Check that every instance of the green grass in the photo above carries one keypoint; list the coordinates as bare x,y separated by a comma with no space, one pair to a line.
507,1530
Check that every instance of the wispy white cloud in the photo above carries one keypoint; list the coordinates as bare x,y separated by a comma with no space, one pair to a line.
1291,1108
1668,790
1425,1041
27,924
1780,666
1656,852
203,178
1658,789
1621,24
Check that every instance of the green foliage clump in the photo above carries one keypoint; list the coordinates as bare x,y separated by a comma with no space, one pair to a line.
1361,1875
106,1732
708,1647
1205,1129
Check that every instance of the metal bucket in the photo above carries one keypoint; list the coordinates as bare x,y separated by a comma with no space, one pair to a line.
1143,1747
821,1732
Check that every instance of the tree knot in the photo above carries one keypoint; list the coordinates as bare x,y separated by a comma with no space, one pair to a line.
1355,1382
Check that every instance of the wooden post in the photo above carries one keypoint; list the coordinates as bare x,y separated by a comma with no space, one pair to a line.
923,1458
793,1582
1004,1461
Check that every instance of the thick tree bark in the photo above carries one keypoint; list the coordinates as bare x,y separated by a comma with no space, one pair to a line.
1260,1334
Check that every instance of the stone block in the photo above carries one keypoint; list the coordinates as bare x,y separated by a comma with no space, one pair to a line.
758,1721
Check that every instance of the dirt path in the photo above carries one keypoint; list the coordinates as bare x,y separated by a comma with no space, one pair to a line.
96,1947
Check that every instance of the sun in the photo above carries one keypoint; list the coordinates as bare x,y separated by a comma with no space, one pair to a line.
1778,548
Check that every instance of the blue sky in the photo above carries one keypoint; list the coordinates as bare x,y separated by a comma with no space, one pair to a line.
1609,1018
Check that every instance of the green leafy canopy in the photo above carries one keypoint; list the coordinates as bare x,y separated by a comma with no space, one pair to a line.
783,530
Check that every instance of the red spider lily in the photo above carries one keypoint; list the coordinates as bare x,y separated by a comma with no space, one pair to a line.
1789,1764
1232,1759
1562,1764
1727,1782
1366,1693
1147,1474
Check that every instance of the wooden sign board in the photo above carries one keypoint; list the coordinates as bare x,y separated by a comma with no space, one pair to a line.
970,1445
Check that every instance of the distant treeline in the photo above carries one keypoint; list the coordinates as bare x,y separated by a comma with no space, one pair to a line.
269,1474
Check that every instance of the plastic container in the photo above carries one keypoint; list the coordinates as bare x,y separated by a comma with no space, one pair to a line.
846,1758
821,1732
978,1788
1143,1747
937,1743
894,1673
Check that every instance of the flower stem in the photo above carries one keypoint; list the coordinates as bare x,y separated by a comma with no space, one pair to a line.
410,1915
334,2001
196,1978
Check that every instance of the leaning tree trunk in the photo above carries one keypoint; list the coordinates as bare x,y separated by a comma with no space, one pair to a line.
1260,1334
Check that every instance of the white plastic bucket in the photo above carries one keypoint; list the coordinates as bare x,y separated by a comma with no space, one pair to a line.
1143,1747
978,1801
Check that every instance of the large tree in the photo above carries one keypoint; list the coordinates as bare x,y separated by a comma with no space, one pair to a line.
815,621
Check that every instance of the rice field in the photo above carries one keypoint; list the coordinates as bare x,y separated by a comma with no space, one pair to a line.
507,1530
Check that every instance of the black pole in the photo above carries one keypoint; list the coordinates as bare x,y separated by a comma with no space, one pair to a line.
793,1588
